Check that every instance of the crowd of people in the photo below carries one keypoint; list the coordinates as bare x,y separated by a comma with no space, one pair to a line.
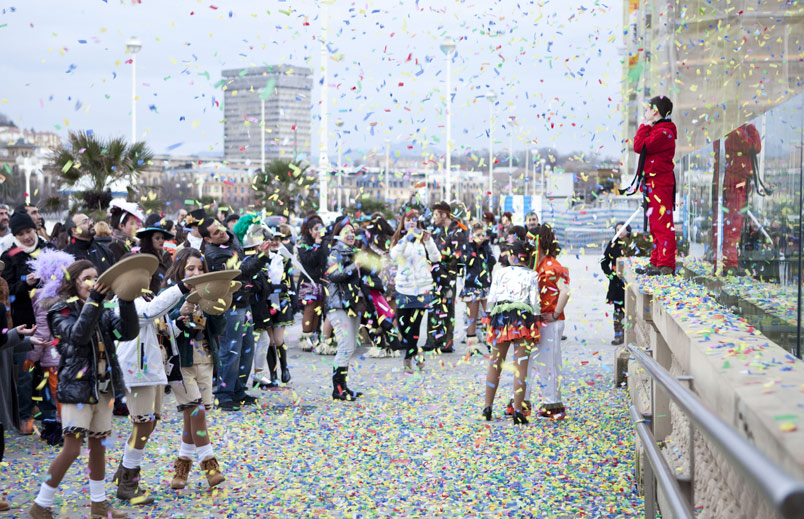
75,352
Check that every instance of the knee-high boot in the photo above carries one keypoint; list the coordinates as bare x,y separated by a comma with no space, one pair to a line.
283,363
272,365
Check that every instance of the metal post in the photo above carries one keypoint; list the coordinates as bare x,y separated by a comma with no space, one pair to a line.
448,158
323,156
133,99
340,176
387,159
262,133
527,171
511,158
543,164
27,166
491,96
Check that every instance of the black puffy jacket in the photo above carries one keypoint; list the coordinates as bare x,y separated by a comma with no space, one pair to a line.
229,256
343,279
93,250
479,262
76,328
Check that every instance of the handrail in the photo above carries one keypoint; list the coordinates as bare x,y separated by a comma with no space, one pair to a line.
667,480
784,492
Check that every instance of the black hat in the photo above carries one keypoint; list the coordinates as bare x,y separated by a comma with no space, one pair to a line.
443,206
20,221
663,105
157,227
195,217
231,218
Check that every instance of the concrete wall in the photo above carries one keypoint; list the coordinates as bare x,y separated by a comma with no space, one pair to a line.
745,379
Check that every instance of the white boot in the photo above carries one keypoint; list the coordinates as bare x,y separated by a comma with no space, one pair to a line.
327,347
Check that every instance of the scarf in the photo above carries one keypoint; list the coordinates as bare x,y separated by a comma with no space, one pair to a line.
27,250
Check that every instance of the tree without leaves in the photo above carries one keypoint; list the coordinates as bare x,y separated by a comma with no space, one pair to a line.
101,162
285,188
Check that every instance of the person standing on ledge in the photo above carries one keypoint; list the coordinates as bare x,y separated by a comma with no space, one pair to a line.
655,141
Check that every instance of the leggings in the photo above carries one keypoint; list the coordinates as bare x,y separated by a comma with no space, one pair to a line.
410,321
345,329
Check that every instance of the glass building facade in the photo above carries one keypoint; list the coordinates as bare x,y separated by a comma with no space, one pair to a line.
734,71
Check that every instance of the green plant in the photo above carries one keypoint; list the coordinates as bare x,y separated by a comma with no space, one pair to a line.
95,164
284,188
366,205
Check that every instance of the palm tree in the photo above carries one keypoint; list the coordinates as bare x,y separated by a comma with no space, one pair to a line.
96,163
284,188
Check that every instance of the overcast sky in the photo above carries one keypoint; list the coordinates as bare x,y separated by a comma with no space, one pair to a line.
554,65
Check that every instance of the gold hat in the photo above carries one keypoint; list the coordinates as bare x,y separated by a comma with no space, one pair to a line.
130,277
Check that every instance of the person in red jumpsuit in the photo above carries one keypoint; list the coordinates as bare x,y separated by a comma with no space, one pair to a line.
741,144
656,138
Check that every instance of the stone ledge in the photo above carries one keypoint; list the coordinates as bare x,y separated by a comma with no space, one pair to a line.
747,380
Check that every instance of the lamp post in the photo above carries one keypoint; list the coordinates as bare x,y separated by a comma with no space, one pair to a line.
338,171
491,95
27,165
534,154
448,48
323,155
262,133
512,118
387,157
133,46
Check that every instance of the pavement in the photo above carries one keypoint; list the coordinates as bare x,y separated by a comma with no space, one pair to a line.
413,446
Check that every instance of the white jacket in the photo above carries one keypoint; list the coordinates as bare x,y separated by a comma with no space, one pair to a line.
413,277
515,284
141,359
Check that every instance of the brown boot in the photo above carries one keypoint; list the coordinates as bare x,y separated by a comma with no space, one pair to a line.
182,466
128,487
37,512
213,472
104,510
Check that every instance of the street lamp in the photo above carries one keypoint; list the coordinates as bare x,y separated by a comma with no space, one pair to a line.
491,95
543,164
387,157
133,46
323,153
262,130
338,172
448,48
511,157
534,154
28,166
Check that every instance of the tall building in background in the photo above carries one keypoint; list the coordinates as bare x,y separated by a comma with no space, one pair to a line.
722,62
285,90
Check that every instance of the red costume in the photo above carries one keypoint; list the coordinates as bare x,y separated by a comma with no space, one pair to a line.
659,142
740,145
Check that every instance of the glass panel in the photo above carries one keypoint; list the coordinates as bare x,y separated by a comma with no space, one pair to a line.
740,210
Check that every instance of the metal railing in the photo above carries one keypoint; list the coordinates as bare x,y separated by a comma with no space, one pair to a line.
782,491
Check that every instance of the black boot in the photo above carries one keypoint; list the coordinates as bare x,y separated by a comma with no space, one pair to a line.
339,389
283,363
271,358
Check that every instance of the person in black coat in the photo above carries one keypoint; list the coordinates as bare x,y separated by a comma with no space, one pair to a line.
313,250
21,280
223,251
478,262
90,379
80,230
622,246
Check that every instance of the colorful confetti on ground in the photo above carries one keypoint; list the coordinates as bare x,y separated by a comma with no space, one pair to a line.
777,300
414,446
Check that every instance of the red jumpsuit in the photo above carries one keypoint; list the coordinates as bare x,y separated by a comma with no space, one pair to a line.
660,143
740,145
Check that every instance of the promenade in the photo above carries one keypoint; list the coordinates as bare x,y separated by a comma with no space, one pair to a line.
413,446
